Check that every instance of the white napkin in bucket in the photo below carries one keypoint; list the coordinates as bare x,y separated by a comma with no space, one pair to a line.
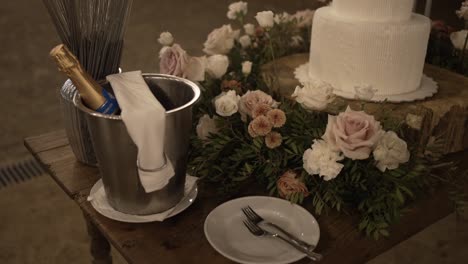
145,119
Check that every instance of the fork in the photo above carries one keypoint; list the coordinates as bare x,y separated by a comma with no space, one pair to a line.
257,219
259,232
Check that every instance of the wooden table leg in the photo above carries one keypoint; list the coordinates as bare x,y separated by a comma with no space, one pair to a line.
100,247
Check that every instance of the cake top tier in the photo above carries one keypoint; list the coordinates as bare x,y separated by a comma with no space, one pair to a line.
374,10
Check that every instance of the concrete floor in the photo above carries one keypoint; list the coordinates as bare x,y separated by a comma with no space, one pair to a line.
38,223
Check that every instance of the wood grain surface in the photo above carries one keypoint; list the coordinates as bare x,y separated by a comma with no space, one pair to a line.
181,239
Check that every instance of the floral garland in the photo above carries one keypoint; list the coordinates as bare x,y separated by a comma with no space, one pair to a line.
245,132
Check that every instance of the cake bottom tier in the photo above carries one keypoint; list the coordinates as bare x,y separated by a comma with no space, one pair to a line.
387,56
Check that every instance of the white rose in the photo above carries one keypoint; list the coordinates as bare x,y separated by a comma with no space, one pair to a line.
166,39
296,41
217,65
364,92
463,12
322,160
246,67
265,19
304,18
196,69
390,152
315,95
245,41
458,39
236,9
249,29
282,18
205,127
227,103
220,40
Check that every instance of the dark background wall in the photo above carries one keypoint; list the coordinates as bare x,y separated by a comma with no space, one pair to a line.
29,79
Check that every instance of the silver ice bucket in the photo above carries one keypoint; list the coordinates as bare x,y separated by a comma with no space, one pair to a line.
117,154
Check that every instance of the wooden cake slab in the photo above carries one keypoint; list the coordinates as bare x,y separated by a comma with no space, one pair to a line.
443,116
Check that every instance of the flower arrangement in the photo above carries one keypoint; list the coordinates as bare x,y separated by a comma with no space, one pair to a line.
447,47
245,132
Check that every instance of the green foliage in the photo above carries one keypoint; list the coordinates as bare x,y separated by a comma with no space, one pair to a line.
232,157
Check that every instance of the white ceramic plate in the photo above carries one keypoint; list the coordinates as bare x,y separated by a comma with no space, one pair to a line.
227,234
101,204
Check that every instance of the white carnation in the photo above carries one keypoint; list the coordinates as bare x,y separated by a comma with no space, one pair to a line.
249,29
205,127
390,152
166,39
236,9
265,19
246,67
245,41
322,160
314,95
227,103
458,39
217,65
414,121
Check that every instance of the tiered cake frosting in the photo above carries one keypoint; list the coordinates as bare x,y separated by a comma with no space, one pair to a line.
378,43
374,10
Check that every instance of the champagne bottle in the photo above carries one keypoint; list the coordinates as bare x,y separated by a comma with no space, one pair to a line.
92,94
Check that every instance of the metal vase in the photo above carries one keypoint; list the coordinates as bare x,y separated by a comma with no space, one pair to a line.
76,126
117,154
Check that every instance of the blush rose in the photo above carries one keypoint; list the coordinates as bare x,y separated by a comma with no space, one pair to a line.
174,61
355,133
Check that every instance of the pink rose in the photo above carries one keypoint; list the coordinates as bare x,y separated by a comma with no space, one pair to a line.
252,99
174,61
355,133
288,184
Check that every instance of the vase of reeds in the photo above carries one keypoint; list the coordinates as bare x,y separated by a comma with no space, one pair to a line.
76,126
93,31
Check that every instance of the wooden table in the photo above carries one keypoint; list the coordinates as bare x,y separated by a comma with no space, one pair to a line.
181,239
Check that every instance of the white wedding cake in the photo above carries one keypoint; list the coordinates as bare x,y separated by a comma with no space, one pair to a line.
371,43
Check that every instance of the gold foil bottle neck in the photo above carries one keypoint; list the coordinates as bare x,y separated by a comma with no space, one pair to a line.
89,89
64,58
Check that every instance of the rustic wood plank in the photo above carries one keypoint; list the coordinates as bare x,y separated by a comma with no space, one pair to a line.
53,151
70,175
181,239
445,115
46,141
177,240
